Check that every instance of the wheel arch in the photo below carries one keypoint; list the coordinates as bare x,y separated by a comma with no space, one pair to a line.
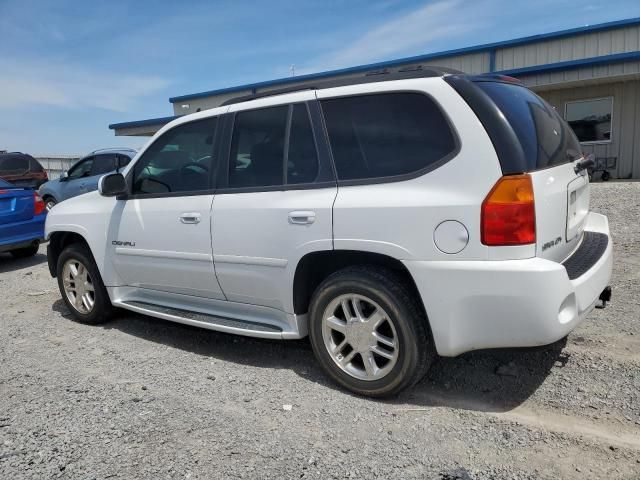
314,267
58,241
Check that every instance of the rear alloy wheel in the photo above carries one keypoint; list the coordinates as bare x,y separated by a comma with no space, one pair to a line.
369,331
360,337
49,203
81,286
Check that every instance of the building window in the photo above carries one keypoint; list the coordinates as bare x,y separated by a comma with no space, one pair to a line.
591,119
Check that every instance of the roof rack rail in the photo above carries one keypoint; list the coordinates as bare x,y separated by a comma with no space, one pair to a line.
383,75
114,148
495,77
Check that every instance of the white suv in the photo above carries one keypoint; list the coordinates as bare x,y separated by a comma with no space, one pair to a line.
390,217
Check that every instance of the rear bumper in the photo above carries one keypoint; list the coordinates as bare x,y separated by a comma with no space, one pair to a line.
21,234
511,303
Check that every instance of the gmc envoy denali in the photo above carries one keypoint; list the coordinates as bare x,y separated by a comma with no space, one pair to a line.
391,218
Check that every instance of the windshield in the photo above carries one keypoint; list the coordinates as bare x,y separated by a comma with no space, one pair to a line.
545,137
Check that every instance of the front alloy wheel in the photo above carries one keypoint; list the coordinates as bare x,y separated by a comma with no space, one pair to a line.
78,286
360,337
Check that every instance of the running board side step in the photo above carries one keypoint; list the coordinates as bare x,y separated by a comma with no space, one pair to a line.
203,320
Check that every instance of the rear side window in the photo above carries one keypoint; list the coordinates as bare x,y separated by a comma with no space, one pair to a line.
257,148
545,137
302,159
385,135
273,147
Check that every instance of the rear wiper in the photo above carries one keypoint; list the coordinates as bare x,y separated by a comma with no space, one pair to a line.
588,162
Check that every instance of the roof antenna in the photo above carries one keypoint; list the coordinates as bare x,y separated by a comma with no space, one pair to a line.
292,69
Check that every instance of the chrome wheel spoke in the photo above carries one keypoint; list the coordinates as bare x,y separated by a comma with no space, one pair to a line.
346,310
344,361
382,352
340,347
73,270
336,324
370,366
383,339
87,301
357,310
376,319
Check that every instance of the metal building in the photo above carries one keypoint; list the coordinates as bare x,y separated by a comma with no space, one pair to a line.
589,74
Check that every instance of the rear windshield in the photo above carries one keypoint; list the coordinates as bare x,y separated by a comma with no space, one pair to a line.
12,164
546,139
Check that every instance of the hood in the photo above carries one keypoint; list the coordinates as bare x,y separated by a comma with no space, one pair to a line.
49,184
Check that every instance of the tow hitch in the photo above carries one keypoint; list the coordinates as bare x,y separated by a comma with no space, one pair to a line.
605,297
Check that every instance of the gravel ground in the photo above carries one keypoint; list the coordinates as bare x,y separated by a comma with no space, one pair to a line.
147,399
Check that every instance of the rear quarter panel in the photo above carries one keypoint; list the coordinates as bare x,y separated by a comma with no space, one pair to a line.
399,218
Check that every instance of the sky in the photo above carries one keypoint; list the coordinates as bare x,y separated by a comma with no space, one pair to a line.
70,68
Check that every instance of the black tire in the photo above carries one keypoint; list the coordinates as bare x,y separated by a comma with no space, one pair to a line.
25,252
605,176
102,310
416,348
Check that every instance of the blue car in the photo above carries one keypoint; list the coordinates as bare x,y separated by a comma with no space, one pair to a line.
22,216
83,176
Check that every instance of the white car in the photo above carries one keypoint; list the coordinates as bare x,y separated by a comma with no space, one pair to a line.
390,218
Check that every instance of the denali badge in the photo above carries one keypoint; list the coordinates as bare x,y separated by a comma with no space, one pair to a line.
552,243
118,243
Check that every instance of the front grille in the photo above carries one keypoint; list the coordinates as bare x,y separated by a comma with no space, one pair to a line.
591,249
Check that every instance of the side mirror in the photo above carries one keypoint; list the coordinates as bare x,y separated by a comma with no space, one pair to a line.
63,176
112,185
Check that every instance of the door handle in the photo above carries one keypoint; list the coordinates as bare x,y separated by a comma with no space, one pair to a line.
190,218
302,217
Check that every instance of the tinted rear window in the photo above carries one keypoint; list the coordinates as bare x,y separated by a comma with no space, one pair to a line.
385,135
14,164
546,139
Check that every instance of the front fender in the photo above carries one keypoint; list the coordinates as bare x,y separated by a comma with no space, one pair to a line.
88,216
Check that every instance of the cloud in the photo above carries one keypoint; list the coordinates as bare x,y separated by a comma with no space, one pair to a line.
72,86
409,32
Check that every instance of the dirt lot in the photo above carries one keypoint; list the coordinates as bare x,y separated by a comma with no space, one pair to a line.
143,398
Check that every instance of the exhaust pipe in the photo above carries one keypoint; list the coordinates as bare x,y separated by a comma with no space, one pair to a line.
604,297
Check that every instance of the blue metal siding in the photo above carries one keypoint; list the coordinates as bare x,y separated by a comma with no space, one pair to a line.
594,61
421,58
143,123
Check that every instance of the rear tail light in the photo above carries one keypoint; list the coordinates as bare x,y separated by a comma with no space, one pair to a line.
38,204
508,213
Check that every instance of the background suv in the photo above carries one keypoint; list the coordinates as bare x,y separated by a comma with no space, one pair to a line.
22,170
83,176
390,217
